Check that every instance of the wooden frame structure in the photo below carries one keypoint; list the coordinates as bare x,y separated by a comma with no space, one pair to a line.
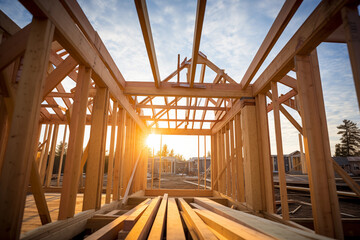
60,43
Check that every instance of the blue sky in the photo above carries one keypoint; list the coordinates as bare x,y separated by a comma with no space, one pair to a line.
232,32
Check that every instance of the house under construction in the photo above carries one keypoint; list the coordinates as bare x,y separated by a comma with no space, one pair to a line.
60,42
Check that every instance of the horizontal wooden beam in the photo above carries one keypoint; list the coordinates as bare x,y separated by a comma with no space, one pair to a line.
182,107
179,131
283,18
201,90
325,19
148,39
149,118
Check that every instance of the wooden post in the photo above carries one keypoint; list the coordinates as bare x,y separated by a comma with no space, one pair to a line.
233,160
239,159
62,155
152,170
118,154
351,23
198,162
50,166
160,160
325,205
95,163
75,146
111,154
252,164
39,160
205,162
16,167
214,161
267,169
44,157
228,161
280,154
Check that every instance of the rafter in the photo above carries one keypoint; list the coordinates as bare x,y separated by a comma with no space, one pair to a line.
148,39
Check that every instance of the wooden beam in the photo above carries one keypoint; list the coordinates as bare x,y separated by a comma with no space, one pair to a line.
229,228
267,164
283,98
280,154
97,141
326,212
172,89
199,20
183,107
317,27
172,131
14,47
281,21
111,230
77,14
350,17
174,228
143,225
239,159
50,166
291,119
16,167
56,76
148,39
158,226
149,118
109,184
73,158
201,229
349,181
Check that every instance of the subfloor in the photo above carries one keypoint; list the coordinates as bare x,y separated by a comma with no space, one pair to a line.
31,219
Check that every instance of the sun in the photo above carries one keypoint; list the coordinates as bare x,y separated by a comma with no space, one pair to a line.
152,140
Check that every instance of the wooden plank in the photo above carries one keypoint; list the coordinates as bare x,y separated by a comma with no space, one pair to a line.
73,158
179,192
118,154
280,154
199,20
229,228
283,18
16,164
110,231
94,166
317,27
350,17
149,42
270,228
202,231
228,161
234,161
174,227
44,157
199,90
158,227
111,154
143,225
326,212
189,226
132,218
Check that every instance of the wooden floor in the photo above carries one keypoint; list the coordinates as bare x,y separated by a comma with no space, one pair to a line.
31,219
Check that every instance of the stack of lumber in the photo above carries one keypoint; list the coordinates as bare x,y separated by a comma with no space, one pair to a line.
197,218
